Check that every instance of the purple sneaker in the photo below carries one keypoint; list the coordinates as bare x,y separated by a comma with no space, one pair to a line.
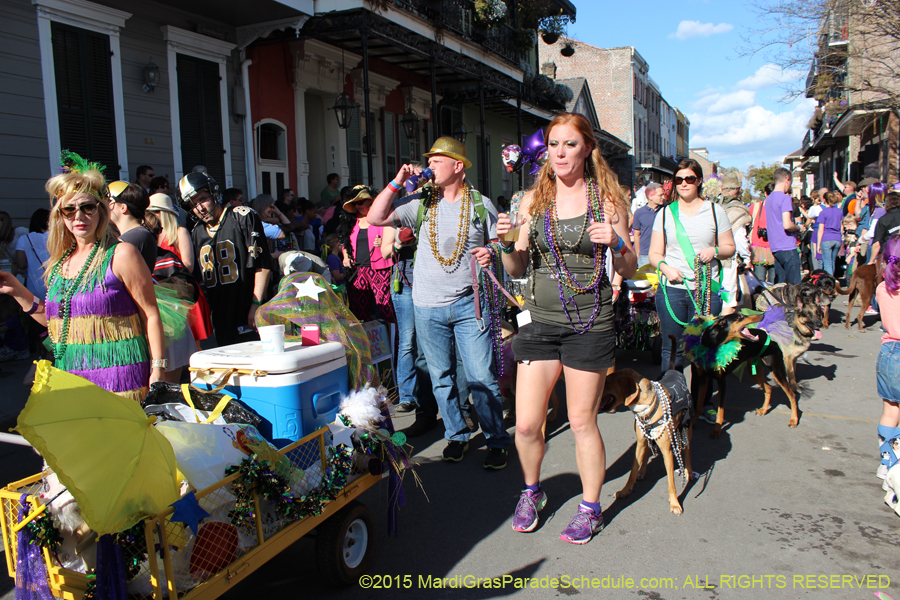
530,503
583,526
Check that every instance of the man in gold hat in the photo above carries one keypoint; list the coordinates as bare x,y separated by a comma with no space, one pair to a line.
450,218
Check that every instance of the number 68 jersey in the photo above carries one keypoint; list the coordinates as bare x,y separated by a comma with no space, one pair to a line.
228,259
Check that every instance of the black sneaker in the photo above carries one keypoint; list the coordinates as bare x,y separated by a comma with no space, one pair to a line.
455,450
471,420
496,459
405,407
420,426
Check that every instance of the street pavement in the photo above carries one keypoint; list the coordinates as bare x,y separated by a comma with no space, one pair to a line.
777,513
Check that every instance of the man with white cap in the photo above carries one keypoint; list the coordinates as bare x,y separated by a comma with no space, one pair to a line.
450,218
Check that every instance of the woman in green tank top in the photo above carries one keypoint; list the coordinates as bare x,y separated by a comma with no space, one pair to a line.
574,216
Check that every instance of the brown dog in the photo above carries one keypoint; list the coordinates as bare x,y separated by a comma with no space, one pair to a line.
651,412
862,285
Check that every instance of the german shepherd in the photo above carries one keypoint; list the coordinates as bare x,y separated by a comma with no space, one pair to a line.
827,287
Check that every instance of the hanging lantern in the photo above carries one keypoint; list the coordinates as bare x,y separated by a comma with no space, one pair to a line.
343,110
410,122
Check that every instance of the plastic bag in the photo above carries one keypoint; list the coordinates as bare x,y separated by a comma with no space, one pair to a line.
162,393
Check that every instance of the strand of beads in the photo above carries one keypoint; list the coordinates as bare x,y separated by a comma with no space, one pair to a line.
494,301
702,287
65,304
462,235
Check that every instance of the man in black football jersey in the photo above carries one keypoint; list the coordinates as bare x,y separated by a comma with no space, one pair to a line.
232,255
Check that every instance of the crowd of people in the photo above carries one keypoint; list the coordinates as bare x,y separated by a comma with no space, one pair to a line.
101,266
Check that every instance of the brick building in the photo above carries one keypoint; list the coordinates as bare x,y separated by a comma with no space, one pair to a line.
634,118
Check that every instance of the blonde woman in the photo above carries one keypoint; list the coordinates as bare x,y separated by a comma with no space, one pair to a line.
573,215
100,308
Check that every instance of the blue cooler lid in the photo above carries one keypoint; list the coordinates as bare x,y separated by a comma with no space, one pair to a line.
250,355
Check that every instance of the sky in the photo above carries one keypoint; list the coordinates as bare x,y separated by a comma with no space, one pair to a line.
736,105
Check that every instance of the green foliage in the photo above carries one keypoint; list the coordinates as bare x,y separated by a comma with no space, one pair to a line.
747,197
761,175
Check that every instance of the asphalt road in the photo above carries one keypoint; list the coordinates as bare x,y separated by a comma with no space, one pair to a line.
777,513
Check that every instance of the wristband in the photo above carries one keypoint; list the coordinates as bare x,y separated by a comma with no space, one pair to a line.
256,302
393,185
716,255
620,244
159,363
507,249
34,306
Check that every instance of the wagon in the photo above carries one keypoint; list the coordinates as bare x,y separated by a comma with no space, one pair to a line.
194,567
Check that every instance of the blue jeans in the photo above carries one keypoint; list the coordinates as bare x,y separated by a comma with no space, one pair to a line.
787,266
829,255
683,308
438,328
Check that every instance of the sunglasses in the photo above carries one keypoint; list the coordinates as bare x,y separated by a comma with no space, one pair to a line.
690,180
89,209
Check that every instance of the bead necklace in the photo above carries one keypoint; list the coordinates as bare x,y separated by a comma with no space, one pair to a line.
702,295
462,235
677,441
565,280
65,305
495,301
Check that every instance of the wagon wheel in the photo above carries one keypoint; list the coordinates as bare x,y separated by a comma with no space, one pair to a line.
344,544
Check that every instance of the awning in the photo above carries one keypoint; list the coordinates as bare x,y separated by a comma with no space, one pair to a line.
853,122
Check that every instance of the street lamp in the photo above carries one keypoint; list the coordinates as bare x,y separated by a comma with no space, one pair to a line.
343,110
410,122
460,133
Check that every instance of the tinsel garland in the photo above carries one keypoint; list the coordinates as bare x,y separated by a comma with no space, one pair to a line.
43,533
134,546
257,476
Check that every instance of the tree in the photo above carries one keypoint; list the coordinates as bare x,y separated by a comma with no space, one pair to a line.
850,48
761,175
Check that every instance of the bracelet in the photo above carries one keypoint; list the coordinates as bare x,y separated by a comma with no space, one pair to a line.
159,363
507,249
255,302
716,255
620,244
34,306
393,185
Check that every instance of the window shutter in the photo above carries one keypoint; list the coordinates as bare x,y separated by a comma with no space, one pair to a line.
390,145
84,95
354,149
200,110
405,147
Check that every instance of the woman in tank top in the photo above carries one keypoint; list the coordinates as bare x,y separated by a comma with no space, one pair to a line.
574,215
100,308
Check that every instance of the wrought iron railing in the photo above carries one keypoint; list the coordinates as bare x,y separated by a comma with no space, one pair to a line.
458,17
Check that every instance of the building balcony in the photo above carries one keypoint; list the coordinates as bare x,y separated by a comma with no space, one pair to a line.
648,158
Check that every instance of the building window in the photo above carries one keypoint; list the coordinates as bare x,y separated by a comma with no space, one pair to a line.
200,116
84,95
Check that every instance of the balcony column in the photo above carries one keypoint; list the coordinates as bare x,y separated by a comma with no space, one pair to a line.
302,165
520,175
364,39
435,116
483,168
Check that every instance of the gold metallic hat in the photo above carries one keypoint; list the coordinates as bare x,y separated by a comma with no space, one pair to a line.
116,188
448,146
361,192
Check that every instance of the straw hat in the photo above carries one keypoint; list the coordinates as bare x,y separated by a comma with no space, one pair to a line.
161,202
362,193
448,146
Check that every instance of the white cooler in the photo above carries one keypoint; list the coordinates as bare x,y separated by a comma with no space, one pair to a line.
301,392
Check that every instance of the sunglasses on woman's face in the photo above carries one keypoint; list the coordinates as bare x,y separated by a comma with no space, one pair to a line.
88,208
690,180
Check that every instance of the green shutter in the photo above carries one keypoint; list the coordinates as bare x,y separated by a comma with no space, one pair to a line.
200,112
84,95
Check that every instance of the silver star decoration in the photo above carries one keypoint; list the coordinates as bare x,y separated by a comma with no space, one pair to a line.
308,289
341,435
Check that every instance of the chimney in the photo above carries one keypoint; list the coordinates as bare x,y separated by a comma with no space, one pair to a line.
549,69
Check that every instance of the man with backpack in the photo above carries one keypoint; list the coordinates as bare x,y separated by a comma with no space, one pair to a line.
449,219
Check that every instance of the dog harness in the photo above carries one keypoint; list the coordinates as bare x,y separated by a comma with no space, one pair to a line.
673,395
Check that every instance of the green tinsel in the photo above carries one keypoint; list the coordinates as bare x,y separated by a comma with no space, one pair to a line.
257,476
43,533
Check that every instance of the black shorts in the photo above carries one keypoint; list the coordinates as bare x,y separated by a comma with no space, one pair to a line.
589,351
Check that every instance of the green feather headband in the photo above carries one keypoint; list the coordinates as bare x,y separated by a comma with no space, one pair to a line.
73,163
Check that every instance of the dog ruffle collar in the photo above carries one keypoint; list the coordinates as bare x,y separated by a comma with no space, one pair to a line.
707,358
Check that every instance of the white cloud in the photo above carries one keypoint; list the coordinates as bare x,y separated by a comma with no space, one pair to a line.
717,104
749,134
690,29
769,75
